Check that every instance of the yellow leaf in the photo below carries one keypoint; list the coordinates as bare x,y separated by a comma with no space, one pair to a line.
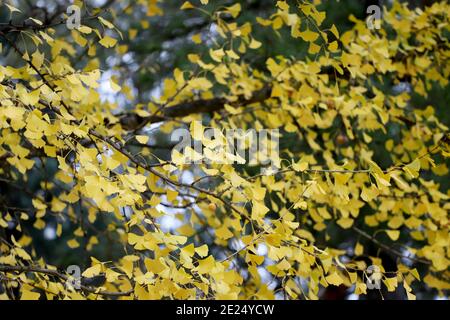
200,83
188,250
300,166
393,234
39,224
359,249
391,283
313,48
85,29
177,157
232,54
353,276
197,38
410,296
234,10
309,35
255,259
217,55
413,168
224,233
334,31
423,62
108,42
142,139
187,5
171,195
282,5
29,295
205,265
3,223
73,243
37,59
106,23
92,271
334,279
254,44
303,205
258,210
345,223
415,274
259,193
196,130
202,251
360,288
284,265
333,46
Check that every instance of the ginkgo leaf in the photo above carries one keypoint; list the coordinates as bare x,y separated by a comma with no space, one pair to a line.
232,54
37,59
234,10
393,234
254,44
410,296
413,168
359,249
197,38
415,273
333,46
196,130
284,265
205,265
391,283
73,243
300,166
202,251
309,36
187,5
360,288
108,42
224,233
171,195
217,55
303,205
334,31
258,210
29,295
85,29
313,48
142,139
334,279
259,193
345,223
92,271
106,23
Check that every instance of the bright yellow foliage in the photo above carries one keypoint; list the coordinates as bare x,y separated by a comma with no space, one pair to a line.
280,219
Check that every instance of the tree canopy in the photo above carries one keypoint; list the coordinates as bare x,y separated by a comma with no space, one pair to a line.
342,181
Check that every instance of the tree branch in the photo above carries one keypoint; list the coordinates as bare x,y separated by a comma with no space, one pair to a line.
131,121
55,273
387,248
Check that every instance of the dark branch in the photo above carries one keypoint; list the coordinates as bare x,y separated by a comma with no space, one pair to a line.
131,121
55,273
